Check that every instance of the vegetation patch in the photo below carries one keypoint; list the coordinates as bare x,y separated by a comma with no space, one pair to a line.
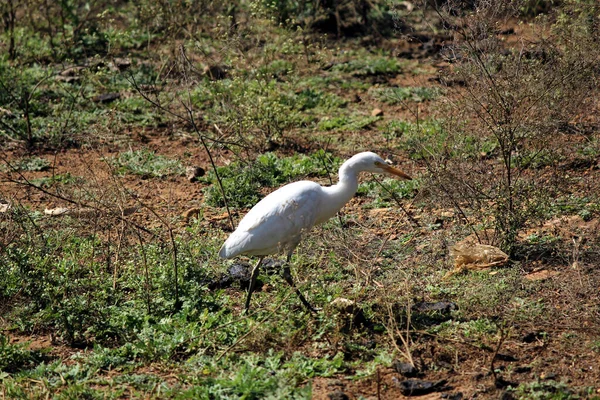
399,95
242,182
146,163
370,66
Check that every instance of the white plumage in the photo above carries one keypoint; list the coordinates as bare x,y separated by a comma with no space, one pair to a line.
276,224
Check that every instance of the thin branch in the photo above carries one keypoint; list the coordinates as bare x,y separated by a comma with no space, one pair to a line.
188,108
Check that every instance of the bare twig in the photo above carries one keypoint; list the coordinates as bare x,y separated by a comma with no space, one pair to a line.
398,202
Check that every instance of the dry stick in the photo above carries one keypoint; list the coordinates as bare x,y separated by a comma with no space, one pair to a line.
397,200
212,162
218,327
174,114
28,183
175,268
392,321
37,227
71,108
378,384
25,101
387,239
148,284
496,350
120,236
171,236
457,341
190,119
455,203
169,227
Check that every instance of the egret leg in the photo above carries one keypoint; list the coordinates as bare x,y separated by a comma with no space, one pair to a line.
252,282
287,275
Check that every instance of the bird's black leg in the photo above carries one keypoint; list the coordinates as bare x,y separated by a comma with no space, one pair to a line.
252,282
287,275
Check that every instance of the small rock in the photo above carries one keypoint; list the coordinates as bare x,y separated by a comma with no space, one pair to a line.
453,396
271,266
122,63
547,375
71,71
506,357
191,213
106,98
532,337
377,112
444,307
67,79
507,395
4,207
416,387
240,272
215,72
406,369
193,172
541,275
343,304
350,315
523,369
447,214
271,145
338,395
502,383
147,88
56,211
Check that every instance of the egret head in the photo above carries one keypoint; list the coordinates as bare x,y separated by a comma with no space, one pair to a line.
371,162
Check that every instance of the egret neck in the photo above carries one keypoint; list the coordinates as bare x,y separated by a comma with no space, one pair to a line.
338,195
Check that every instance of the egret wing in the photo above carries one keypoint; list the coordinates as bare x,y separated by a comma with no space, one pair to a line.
277,222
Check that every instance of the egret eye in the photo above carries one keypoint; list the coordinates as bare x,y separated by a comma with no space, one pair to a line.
378,164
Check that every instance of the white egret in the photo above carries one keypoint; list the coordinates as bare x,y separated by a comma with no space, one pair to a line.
276,224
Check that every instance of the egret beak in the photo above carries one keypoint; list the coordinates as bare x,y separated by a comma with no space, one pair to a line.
395,171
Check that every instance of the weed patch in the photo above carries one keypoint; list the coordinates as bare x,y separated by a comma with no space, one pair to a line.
401,94
242,183
146,164
369,66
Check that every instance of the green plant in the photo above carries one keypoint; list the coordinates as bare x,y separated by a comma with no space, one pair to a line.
16,357
398,95
253,107
550,390
386,193
370,66
59,179
346,123
425,139
349,18
31,164
242,183
20,94
146,163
